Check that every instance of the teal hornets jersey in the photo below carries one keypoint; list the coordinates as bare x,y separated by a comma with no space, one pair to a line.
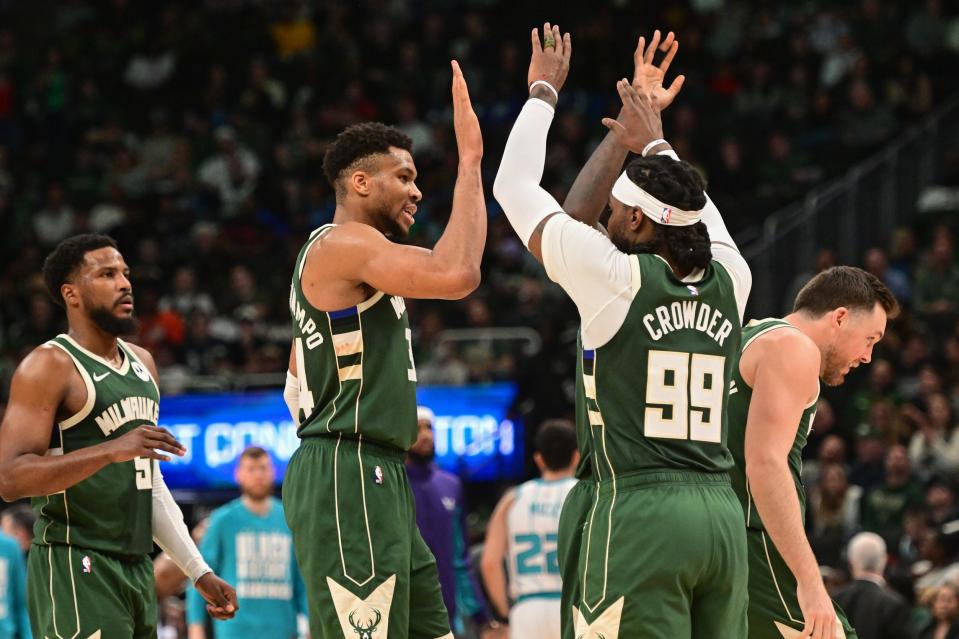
112,510
532,525
655,394
354,366
740,395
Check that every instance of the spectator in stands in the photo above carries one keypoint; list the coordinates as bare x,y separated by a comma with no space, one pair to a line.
832,451
934,447
884,507
868,469
16,522
877,263
941,500
937,279
874,610
833,515
945,614
231,174
938,567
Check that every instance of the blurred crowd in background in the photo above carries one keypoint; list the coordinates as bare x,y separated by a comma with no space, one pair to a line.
193,133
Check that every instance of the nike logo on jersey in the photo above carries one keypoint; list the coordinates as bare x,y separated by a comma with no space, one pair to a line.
363,618
605,626
98,378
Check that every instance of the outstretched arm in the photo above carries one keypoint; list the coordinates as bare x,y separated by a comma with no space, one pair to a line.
451,270
587,197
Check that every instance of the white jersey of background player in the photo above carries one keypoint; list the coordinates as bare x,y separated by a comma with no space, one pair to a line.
522,536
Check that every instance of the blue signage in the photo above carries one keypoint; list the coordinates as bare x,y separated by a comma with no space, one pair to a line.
473,436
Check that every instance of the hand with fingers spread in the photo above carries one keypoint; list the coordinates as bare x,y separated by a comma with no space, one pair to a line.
549,61
639,122
817,610
144,441
650,78
469,138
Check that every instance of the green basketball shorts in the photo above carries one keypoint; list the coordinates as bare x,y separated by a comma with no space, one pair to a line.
572,521
367,570
773,606
84,594
662,556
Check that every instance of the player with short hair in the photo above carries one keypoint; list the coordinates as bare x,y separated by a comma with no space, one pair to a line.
80,437
523,532
660,298
248,542
352,381
838,317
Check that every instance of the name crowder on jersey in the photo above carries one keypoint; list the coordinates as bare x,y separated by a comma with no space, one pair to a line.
127,410
687,314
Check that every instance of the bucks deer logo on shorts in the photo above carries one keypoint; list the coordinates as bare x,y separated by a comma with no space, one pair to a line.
605,626
363,618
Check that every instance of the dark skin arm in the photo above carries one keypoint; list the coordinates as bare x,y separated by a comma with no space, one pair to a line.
46,388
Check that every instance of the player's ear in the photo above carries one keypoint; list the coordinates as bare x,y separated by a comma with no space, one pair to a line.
70,294
839,316
361,182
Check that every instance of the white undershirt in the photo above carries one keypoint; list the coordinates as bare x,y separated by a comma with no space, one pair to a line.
602,281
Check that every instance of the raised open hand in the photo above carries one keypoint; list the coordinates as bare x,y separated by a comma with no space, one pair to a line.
469,138
550,58
639,122
650,78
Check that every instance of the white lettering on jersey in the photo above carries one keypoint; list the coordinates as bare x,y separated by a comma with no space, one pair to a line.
399,306
127,410
689,315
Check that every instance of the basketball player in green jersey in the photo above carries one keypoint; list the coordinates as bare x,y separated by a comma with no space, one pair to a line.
838,317
352,382
586,201
80,437
660,298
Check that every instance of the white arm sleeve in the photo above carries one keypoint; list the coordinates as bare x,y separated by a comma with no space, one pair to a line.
291,395
724,249
517,187
170,532
601,280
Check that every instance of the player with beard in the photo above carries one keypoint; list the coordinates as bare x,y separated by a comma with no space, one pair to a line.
838,317
352,381
80,437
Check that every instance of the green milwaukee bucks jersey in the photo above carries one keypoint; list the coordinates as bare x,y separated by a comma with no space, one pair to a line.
739,396
112,510
655,394
354,366
584,440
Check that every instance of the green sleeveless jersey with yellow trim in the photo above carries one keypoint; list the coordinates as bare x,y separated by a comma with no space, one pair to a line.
655,394
112,510
740,395
354,366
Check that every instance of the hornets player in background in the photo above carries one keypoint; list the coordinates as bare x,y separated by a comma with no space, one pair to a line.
249,543
838,317
80,438
522,533
352,382
660,298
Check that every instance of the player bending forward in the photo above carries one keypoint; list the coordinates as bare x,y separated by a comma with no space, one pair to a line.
838,317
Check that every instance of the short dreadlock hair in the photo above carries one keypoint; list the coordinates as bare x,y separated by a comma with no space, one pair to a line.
63,262
356,144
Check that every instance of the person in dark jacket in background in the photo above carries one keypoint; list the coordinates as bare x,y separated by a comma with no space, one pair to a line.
441,518
945,614
874,610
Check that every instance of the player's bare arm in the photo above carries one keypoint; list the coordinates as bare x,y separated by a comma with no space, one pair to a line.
588,195
45,389
494,554
782,367
357,258
220,596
